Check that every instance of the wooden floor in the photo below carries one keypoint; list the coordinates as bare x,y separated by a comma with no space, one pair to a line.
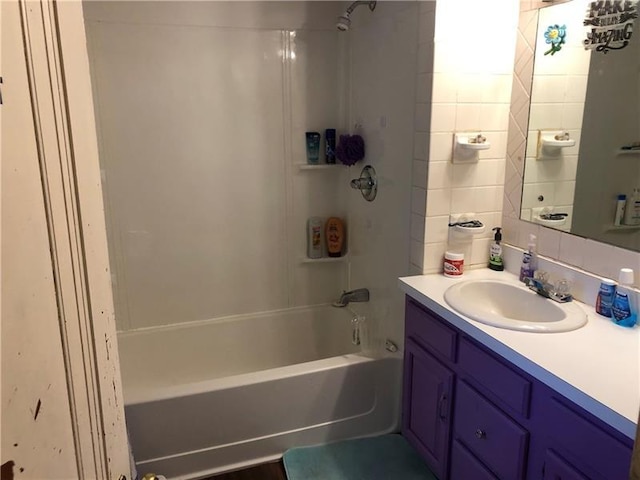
268,471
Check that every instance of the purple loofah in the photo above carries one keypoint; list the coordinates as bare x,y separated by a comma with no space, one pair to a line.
350,149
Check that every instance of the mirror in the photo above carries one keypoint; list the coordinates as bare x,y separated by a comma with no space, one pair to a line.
584,120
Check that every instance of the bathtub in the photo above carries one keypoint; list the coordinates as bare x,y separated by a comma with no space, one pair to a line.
208,397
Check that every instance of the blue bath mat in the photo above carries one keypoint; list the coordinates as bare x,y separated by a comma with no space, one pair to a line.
388,457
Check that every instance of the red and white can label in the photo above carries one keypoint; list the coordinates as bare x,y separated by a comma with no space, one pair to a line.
453,268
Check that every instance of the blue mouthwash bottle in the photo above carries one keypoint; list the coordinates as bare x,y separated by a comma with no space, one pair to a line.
606,294
624,310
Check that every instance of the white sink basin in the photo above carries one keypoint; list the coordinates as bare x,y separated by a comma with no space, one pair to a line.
514,307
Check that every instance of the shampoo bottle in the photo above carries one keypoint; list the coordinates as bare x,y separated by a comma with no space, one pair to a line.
624,311
620,206
636,206
314,237
495,252
334,234
330,145
632,209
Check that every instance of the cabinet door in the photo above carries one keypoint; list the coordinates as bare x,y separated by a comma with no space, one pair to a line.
557,468
464,466
589,444
426,423
493,437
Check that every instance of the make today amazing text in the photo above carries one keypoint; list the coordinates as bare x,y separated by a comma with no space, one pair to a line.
612,23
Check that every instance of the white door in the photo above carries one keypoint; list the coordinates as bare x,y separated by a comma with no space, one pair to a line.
62,414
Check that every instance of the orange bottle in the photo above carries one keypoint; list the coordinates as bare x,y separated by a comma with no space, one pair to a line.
334,235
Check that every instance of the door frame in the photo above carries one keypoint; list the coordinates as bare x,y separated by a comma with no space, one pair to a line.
55,49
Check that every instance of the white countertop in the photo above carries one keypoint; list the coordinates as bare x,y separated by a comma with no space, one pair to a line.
596,366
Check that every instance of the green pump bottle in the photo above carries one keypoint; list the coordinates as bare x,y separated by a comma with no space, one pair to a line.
495,252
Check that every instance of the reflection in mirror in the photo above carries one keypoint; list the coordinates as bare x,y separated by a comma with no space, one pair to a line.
585,108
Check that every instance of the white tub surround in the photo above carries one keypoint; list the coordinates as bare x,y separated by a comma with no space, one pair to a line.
595,366
168,359
209,397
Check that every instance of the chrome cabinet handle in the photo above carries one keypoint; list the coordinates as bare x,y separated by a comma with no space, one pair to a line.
480,434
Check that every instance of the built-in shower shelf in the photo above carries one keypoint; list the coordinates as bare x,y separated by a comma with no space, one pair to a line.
320,166
325,259
622,228
622,151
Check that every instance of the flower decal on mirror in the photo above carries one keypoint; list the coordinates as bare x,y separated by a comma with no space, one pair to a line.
555,36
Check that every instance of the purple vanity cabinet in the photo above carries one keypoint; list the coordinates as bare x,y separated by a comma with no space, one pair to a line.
428,387
465,466
494,438
557,468
580,441
427,417
473,415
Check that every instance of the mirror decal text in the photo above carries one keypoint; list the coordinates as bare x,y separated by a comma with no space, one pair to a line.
611,24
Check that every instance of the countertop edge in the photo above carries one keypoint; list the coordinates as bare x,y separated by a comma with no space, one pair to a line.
593,406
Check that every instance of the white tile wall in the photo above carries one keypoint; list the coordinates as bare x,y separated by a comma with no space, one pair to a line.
423,87
476,199
438,228
572,249
441,147
421,119
416,254
549,242
417,227
470,92
433,257
425,58
438,202
419,173
426,116
387,237
483,173
574,252
420,145
418,200
443,117
441,175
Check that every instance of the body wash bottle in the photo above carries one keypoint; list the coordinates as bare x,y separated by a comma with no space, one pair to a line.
632,209
314,237
620,206
624,310
334,236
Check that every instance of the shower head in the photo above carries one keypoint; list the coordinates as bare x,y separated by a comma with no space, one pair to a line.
344,21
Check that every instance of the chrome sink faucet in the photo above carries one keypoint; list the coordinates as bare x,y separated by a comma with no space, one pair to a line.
542,286
357,295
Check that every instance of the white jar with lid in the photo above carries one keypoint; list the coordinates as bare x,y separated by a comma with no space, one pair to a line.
453,264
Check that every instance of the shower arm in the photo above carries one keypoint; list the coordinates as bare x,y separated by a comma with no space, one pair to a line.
352,7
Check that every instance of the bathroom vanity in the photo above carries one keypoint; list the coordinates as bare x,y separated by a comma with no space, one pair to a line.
482,402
